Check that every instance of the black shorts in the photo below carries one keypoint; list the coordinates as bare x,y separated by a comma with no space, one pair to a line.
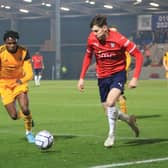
116,80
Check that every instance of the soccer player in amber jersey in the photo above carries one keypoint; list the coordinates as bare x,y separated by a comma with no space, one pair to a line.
122,98
15,72
38,66
165,63
109,49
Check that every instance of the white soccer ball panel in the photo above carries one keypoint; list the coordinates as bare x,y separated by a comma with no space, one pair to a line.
44,139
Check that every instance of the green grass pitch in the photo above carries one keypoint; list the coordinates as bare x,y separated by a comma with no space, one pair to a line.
79,126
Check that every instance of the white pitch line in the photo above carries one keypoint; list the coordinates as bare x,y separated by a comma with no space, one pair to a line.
131,163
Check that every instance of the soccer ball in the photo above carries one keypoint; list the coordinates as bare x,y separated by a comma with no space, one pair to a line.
44,139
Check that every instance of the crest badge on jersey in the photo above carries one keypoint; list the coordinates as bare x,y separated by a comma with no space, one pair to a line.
112,45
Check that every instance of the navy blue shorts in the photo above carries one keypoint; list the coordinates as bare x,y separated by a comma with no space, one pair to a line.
116,80
38,71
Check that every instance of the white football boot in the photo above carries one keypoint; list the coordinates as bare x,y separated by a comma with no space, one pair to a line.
109,142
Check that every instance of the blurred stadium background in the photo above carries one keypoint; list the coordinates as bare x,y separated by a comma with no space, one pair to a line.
59,30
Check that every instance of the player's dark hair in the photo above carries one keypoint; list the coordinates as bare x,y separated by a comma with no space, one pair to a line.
12,34
99,20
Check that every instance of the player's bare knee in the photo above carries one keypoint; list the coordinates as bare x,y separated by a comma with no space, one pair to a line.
110,103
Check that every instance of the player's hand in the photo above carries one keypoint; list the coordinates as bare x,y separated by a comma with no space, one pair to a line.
133,83
80,85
